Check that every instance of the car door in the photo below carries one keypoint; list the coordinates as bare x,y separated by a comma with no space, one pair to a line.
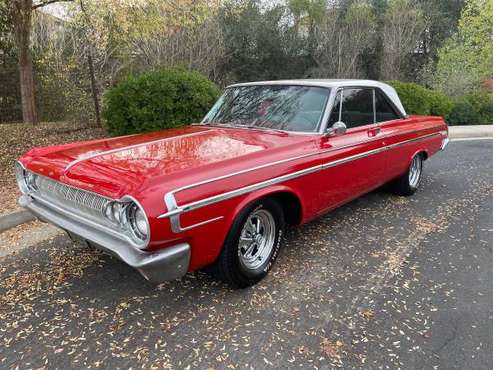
354,160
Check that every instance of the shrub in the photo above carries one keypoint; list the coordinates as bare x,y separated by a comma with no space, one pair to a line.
474,108
422,101
158,99
440,105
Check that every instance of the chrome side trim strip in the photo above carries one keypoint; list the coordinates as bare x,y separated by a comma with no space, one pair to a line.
116,150
270,164
174,210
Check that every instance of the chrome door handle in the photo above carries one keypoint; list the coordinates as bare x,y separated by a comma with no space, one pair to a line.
373,131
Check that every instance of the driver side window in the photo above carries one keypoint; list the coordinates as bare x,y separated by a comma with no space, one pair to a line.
356,108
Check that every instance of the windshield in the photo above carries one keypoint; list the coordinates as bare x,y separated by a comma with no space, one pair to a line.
278,107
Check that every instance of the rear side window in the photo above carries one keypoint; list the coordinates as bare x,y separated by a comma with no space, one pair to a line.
384,111
357,107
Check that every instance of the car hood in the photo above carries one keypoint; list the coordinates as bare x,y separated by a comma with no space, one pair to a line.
120,166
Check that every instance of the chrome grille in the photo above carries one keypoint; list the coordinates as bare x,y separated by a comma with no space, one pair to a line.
73,199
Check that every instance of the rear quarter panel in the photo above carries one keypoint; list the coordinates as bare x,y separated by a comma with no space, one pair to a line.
416,134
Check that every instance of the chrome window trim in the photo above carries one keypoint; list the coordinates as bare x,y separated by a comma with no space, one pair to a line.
341,89
175,210
374,106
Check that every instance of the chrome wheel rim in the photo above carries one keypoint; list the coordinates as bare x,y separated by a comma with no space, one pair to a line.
257,239
415,171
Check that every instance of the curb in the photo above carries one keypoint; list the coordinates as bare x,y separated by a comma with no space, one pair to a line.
14,219
474,131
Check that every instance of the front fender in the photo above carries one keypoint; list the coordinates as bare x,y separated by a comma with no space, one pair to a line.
272,190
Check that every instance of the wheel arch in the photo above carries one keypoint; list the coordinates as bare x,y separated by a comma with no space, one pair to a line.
422,151
288,199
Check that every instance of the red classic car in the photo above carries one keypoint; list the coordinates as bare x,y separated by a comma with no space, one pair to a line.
220,193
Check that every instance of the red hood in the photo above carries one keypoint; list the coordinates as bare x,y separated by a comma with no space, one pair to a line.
118,166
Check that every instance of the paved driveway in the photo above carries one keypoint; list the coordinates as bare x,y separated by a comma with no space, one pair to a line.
382,281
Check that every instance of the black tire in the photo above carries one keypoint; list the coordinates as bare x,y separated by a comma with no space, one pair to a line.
229,267
405,185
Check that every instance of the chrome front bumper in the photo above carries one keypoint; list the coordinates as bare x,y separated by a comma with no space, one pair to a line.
165,264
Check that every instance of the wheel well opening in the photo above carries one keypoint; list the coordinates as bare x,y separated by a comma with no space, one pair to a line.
424,154
291,206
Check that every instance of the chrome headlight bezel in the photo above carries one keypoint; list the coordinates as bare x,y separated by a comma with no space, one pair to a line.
20,175
26,180
139,228
123,214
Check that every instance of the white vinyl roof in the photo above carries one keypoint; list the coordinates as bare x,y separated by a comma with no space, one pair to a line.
336,83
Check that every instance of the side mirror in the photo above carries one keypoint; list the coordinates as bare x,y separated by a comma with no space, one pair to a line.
338,128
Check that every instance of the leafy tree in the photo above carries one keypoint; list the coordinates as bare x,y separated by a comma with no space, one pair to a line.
403,24
259,43
9,93
467,57
307,15
442,18
343,38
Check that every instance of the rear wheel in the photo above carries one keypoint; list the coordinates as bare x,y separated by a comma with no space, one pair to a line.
252,244
408,183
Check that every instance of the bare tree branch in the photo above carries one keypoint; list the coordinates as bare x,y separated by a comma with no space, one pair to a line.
47,2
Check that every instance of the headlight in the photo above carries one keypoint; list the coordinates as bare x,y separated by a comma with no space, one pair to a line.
137,221
130,218
27,180
114,212
32,181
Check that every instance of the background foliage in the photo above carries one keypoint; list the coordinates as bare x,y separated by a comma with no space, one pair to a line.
442,45
157,100
423,101
467,57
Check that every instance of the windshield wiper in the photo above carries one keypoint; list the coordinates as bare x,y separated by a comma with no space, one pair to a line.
255,127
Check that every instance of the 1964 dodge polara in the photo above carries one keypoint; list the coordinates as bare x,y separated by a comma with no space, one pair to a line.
220,192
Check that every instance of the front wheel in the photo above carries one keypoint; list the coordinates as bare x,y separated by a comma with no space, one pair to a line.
252,244
408,183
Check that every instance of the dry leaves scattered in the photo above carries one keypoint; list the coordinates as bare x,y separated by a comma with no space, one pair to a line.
332,348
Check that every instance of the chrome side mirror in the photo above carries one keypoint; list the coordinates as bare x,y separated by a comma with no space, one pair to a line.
338,128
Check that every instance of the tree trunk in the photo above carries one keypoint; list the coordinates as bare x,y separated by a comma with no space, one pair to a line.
22,13
94,89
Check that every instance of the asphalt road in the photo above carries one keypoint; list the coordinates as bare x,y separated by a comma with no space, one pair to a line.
383,282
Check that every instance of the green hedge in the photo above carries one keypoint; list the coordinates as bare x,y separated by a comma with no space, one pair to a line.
475,108
422,101
470,109
158,99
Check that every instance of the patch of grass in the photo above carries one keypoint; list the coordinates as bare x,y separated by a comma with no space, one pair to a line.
18,138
